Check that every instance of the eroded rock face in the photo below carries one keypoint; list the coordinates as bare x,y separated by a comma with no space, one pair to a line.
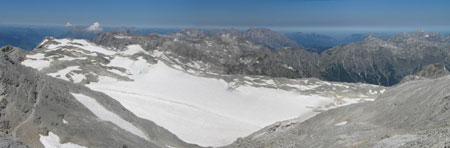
32,105
413,114
431,71
7,141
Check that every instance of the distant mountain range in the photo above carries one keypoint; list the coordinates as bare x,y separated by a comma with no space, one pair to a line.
28,37
373,60
318,42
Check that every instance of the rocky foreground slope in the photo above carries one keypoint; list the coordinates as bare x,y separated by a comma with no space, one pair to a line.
42,111
412,114
374,61
7,141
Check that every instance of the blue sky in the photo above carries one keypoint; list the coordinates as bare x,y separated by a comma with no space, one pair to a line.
351,14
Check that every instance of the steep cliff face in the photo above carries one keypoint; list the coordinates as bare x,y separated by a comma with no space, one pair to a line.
44,111
385,62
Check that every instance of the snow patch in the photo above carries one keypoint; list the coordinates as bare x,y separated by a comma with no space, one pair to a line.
104,114
341,123
122,37
36,64
137,67
79,43
37,61
67,58
133,49
52,141
303,87
67,73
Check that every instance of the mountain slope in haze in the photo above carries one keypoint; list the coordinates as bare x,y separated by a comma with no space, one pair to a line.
313,42
258,36
412,114
383,62
171,83
27,37
43,111
269,38
362,36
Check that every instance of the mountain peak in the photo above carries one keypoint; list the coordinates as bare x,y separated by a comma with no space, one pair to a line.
269,38
433,71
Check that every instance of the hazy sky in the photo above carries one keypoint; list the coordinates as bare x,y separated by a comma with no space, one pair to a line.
352,14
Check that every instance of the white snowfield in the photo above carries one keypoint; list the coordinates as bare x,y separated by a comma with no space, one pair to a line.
53,141
104,114
37,61
81,44
199,110
68,72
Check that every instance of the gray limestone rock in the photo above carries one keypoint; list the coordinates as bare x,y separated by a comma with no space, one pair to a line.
7,141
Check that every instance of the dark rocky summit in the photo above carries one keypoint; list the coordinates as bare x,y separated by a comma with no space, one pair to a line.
433,71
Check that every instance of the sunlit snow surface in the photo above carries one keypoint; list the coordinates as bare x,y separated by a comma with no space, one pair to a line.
202,110
37,61
104,114
52,141
68,72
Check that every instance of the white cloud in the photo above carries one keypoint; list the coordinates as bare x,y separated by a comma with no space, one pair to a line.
68,24
95,27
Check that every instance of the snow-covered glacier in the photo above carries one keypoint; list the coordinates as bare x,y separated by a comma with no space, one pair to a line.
204,108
